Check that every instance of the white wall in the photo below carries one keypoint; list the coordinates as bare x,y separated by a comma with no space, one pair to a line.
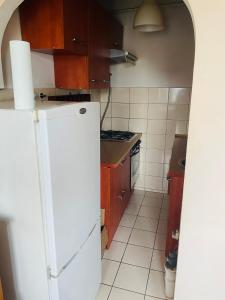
42,64
201,264
165,59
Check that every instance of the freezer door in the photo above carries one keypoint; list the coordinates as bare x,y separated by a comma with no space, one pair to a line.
69,155
81,279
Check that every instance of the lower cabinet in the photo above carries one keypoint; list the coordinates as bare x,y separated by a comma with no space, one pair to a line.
175,193
115,194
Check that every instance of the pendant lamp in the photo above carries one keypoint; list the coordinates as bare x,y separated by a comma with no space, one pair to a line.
148,17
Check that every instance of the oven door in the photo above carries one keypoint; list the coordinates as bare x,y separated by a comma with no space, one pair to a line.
135,164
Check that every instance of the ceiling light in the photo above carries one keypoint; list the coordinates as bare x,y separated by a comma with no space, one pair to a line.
148,17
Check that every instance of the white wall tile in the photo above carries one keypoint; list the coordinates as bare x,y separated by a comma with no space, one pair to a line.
157,111
165,185
142,168
140,184
180,95
109,110
138,125
104,95
165,170
178,112
155,156
120,110
158,95
107,124
168,153
170,138
139,111
142,155
120,95
156,141
120,124
154,169
153,183
182,127
139,95
144,140
171,127
157,126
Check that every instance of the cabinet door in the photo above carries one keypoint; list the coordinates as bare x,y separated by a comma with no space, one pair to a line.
98,47
42,24
76,26
174,211
116,34
126,189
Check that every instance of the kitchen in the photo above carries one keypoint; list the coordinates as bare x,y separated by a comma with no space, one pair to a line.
129,93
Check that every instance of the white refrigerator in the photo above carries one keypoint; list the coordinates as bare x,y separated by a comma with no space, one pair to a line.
50,202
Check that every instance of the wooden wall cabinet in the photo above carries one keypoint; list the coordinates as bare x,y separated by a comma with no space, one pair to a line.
115,194
79,34
55,26
115,34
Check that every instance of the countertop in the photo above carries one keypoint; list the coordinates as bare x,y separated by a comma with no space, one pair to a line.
178,154
114,152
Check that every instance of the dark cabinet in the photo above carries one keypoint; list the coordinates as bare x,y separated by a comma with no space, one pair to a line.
115,34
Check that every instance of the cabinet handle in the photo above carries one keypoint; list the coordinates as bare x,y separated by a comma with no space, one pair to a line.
106,81
93,80
169,178
123,192
115,44
76,40
120,197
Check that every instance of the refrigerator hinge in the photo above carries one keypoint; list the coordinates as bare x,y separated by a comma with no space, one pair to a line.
35,116
50,275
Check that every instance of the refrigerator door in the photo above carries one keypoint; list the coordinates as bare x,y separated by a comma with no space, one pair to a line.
81,279
69,158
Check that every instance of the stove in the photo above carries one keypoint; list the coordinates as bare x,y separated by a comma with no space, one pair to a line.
112,135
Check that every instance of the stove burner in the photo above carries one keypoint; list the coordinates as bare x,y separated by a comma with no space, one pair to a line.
112,135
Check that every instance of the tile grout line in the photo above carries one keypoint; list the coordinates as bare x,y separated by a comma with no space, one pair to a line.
125,250
153,249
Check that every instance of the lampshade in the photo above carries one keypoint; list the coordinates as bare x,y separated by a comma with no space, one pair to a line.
148,17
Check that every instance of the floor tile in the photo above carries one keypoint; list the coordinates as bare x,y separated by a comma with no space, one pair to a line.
109,271
139,192
103,292
115,252
163,214
132,278
165,204
122,234
118,294
138,198
155,285
146,224
142,238
132,208
127,220
158,260
149,212
138,256
162,227
160,242
151,298
153,202
154,195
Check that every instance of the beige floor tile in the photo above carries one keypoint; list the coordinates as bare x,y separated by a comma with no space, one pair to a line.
109,271
118,294
115,252
138,256
142,238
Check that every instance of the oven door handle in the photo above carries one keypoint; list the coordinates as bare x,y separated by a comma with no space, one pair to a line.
135,152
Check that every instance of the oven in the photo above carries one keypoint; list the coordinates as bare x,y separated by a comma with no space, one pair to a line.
135,162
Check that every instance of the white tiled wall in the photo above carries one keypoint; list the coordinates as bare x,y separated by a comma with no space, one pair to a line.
158,113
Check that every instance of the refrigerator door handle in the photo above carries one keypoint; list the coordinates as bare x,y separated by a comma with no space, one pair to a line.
52,276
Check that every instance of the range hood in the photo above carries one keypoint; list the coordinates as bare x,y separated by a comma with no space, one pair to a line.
121,56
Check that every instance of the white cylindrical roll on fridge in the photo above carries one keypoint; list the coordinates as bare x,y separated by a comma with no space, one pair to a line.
22,75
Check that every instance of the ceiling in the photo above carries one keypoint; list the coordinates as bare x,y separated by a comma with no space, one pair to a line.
124,4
